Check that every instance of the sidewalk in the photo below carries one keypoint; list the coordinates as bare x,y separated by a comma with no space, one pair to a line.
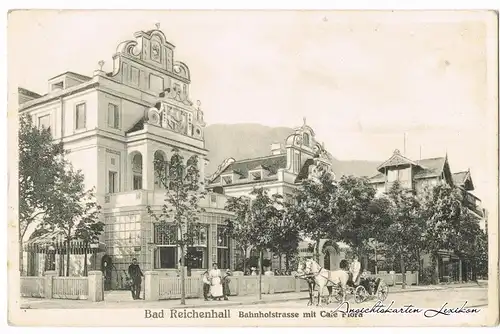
126,302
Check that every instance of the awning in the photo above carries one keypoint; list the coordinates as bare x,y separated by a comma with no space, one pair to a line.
55,242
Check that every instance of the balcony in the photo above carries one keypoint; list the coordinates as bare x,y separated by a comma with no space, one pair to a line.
156,198
473,203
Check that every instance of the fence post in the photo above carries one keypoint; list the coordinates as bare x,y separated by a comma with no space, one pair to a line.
49,276
417,273
238,282
151,285
96,291
297,284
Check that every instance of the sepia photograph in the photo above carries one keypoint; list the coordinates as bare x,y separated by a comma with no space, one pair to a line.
234,168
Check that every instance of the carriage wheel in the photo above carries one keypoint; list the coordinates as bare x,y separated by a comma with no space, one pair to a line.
383,291
360,294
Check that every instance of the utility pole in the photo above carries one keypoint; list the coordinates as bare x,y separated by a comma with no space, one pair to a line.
404,144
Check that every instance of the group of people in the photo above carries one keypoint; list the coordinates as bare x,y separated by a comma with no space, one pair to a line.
216,284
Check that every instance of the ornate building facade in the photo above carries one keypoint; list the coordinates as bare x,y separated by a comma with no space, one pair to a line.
300,156
114,126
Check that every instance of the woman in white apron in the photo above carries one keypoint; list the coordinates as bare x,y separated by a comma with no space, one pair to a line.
215,282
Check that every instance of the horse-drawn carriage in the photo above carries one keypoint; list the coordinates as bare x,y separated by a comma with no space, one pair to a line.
338,285
368,288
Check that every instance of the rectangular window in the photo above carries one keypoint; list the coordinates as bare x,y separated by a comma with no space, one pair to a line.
137,182
392,175
44,122
223,258
112,182
222,247
296,162
80,116
113,116
213,199
134,75
165,238
166,257
57,86
197,257
404,175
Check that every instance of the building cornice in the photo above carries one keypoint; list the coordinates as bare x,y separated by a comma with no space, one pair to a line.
60,94
145,136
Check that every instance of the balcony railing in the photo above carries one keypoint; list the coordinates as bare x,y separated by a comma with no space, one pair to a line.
156,198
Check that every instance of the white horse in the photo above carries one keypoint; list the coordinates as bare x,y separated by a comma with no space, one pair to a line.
324,277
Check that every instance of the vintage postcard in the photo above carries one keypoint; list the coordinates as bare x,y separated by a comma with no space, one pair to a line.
253,168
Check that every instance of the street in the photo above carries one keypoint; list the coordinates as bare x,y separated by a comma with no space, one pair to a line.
474,296
431,296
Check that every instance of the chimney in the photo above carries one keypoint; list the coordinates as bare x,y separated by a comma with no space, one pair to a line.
277,148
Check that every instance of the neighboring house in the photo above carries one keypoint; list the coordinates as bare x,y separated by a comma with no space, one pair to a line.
114,126
281,172
420,174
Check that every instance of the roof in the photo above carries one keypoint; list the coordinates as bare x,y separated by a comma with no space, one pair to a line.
27,92
137,126
242,167
379,178
463,179
76,75
45,240
459,178
396,160
433,167
270,163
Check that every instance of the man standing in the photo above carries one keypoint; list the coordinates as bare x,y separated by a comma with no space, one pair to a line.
136,275
355,268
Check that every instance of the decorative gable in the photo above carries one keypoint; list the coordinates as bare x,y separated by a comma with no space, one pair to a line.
396,160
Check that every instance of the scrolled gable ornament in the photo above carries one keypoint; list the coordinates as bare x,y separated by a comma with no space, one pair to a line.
319,170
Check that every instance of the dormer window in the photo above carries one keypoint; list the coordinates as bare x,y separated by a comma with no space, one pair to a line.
226,180
58,85
256,175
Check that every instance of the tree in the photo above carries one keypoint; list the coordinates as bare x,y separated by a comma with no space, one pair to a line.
75,213
255,222
265,213
238,227
403,235
181,209
313,211
360,216
89,228
41,166
450,225
286,234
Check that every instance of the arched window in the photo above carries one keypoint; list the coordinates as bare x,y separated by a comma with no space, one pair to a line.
137,171
306,139
160,164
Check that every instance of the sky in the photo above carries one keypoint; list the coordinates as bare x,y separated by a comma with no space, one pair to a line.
362,79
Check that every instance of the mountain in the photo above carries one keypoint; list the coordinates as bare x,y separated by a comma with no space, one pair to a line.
244,141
